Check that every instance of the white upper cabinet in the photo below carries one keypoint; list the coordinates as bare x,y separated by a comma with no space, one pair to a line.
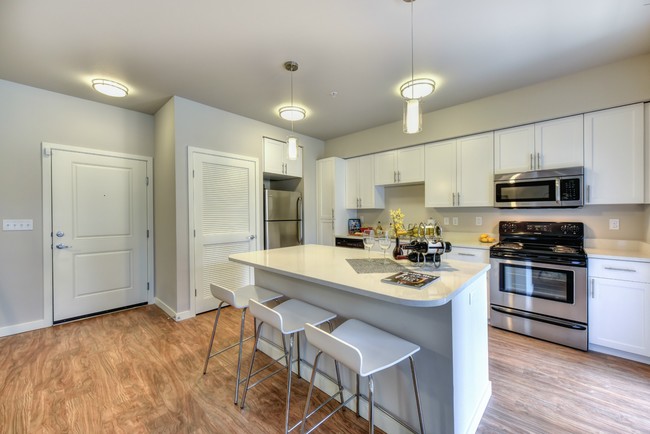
360,189
614,158
402,166
277,162
330,193
545,145
459,172
647,152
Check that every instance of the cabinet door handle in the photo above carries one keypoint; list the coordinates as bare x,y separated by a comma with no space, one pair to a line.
453,199
531,162
629,270
399,176
588,194
465,254
332,213
394,176
539,161
458,196
593,291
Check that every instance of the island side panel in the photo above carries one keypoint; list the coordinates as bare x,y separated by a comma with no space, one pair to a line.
472,387
429,327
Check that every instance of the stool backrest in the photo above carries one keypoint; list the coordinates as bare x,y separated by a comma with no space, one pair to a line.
342,351
265,314
222,293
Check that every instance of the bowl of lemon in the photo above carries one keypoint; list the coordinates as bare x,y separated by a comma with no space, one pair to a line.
486,238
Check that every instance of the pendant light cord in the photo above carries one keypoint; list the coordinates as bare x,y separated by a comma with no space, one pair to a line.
412,51
291,75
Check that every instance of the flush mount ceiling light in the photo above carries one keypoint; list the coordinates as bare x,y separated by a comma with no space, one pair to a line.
110,88
413,91
292,113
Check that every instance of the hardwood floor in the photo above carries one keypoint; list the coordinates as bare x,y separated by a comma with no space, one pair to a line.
139,371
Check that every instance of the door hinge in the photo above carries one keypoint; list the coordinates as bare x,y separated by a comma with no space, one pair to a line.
194,233
147,233
146,180
147,286
195,292
192,173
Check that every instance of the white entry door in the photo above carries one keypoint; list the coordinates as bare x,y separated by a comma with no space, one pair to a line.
225,222
99,233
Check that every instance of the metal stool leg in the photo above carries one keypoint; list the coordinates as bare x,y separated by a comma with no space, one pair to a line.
371,404
241,344
417,394
250,370
309,392
358,396
214,330
289,372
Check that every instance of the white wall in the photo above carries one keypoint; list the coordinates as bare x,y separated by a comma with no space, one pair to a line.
29,116
201,126
607,86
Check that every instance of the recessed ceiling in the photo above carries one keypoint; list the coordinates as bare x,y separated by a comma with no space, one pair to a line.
230,55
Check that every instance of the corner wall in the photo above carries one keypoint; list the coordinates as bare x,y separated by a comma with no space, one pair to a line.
28,117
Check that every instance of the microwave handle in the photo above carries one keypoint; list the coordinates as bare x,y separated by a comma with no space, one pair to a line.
557,191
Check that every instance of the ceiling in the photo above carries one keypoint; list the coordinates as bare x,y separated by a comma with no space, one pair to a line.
352,55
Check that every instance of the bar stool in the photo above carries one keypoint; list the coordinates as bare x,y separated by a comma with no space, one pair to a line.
289,318
366,350
238,299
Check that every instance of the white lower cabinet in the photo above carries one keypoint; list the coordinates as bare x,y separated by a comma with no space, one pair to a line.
619,306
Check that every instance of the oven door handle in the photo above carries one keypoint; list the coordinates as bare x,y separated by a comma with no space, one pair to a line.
541,318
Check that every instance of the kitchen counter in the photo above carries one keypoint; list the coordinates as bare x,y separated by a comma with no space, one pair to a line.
617,250
447,318
459,239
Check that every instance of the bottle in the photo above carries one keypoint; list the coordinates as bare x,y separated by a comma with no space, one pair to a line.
379,230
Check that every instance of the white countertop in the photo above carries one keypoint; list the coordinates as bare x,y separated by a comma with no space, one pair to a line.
327,265
617,250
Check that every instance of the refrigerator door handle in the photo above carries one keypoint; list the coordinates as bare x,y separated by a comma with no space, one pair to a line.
299,223
299,207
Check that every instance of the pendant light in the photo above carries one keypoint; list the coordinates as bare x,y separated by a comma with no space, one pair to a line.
110,87
292,113
413,91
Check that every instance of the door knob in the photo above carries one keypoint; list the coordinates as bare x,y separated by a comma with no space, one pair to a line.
62,246
251,237
59,234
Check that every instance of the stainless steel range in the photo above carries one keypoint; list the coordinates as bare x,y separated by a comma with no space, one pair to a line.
538,281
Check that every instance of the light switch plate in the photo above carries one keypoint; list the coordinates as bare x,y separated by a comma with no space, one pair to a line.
17,225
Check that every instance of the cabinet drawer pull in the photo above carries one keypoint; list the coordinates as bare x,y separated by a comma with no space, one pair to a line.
629,270
465,254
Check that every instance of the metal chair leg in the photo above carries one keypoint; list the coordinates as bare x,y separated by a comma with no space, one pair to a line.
358,396
286,415
214,330
241,344
417,394
250,370
309,392
371,404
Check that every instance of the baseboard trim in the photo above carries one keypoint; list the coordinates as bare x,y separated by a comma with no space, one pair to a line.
177,316
24,327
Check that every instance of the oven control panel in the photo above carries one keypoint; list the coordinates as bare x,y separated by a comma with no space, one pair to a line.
542,228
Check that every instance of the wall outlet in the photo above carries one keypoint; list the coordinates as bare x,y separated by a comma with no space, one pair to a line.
479,221
454,221
614,224
445,221
18,225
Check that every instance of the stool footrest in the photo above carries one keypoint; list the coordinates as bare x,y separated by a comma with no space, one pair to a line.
236,344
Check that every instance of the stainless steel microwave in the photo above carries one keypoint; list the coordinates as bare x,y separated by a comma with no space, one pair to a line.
559,188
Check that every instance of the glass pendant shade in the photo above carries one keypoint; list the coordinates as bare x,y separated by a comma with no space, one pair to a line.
110,88
292,148
412,116
417,88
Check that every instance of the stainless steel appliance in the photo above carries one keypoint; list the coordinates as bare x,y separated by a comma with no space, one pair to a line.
282,219
559,188
538,281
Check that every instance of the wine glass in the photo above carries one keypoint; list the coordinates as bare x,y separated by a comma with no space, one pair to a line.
384,243
368,239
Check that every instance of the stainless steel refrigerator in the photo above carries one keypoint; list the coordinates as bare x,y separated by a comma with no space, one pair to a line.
282,219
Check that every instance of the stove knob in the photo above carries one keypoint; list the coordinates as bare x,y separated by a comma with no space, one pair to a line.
563,228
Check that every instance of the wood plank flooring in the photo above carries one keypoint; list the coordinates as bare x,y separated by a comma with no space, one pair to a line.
140,372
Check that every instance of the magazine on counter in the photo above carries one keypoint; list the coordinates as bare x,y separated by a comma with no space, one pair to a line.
409,278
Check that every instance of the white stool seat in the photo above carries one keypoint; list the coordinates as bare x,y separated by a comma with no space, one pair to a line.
289,318
365,350
240,297
361,347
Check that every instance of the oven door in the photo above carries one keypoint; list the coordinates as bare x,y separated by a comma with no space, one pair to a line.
554,290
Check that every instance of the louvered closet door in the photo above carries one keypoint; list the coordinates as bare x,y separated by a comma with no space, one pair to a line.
225,215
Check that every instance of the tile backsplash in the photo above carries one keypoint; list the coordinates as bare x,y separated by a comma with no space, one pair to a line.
633,219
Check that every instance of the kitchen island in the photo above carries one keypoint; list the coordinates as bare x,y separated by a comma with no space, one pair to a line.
447,318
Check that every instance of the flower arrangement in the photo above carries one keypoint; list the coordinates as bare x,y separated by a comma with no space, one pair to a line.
397,218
